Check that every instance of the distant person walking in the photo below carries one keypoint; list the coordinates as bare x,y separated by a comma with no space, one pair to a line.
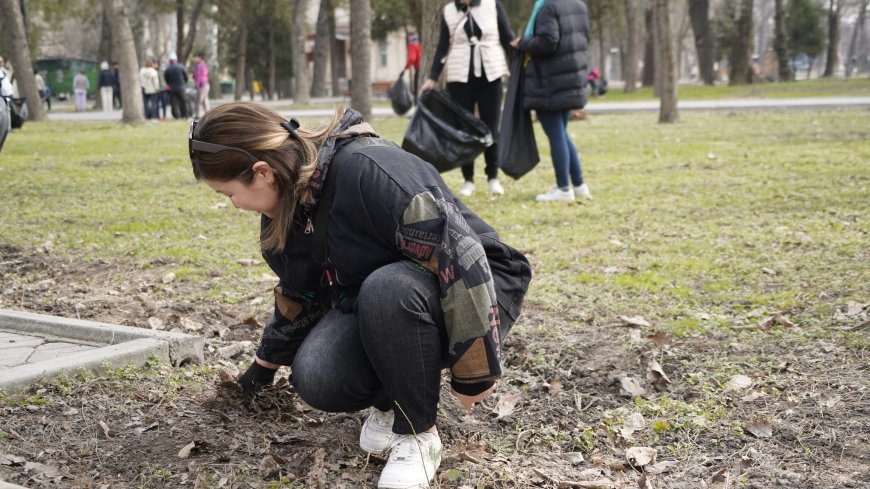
150,81
414,56
200,81
472,43
41,88
105,82
176,77
557,39
116,84
81,85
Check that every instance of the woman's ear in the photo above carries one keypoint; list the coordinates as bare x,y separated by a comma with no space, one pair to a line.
264,169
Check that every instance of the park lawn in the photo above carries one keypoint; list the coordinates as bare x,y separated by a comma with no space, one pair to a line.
728,243
718,212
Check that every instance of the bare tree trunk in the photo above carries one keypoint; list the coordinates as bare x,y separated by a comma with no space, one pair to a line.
273,68
360,54
668,107
336,54
185,50
649,58
602,48
780,43
853,43
699,13
863,47
241,63
430,23
741,52
321,50
124,46
632,48
13,23
657,50
833,38
301,93
179,28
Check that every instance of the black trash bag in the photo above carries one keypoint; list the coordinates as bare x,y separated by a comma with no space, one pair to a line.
602,86
5,121
444,134
400,96
517,148
18,111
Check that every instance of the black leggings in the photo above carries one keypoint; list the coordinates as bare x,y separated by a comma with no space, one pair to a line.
487,96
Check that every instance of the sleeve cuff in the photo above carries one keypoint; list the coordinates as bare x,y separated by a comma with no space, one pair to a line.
471,389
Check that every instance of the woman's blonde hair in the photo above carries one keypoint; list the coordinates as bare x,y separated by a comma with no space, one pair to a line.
257,129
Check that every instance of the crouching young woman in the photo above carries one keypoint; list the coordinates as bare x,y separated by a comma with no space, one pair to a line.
385,277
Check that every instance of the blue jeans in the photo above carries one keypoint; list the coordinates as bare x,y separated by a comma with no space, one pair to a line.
388,352
566,161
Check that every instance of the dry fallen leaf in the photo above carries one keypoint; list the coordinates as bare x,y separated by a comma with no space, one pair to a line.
738,383
555,387
752,396
190,324
185,451
632,386
660,338
636,321
640,456
41,470
633,422
168,278
9,459
106,430
759,429
506,405
252,321
656,374
247,262
155,323
777,319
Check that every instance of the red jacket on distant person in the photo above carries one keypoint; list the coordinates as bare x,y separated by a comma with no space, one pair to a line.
413,54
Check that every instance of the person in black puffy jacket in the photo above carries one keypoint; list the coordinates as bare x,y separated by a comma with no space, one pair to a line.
556,41
393,280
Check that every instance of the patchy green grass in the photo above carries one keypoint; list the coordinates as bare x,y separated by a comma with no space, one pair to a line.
712,217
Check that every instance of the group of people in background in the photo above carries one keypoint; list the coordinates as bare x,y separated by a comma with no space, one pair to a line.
160,88
473,44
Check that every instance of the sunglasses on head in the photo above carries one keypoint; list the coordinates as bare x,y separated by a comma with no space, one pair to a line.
194,145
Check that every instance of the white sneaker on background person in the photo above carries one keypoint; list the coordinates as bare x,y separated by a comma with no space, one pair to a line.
377,432
495,187
466,189
556,194
582,190
413,461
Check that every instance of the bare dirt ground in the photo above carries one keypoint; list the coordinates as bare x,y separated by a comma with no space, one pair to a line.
755,405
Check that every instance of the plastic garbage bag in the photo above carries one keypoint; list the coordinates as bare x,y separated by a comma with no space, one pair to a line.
18,111
444,134
517,148
400,96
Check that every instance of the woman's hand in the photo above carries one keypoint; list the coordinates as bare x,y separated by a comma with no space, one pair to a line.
469,401
516,42
429,85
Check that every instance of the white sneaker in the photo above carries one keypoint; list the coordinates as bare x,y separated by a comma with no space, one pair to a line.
413,462
556,194
582,191
466,189
495,187
377,432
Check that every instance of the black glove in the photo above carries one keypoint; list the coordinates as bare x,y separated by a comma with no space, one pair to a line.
254,379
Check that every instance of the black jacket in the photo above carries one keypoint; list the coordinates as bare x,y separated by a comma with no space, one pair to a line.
556,74
391,206
105,79
176,77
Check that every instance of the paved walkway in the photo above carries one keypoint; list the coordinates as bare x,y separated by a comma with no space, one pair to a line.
594,107
21,349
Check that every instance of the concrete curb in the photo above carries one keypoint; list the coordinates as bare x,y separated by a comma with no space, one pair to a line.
121,345
6,485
